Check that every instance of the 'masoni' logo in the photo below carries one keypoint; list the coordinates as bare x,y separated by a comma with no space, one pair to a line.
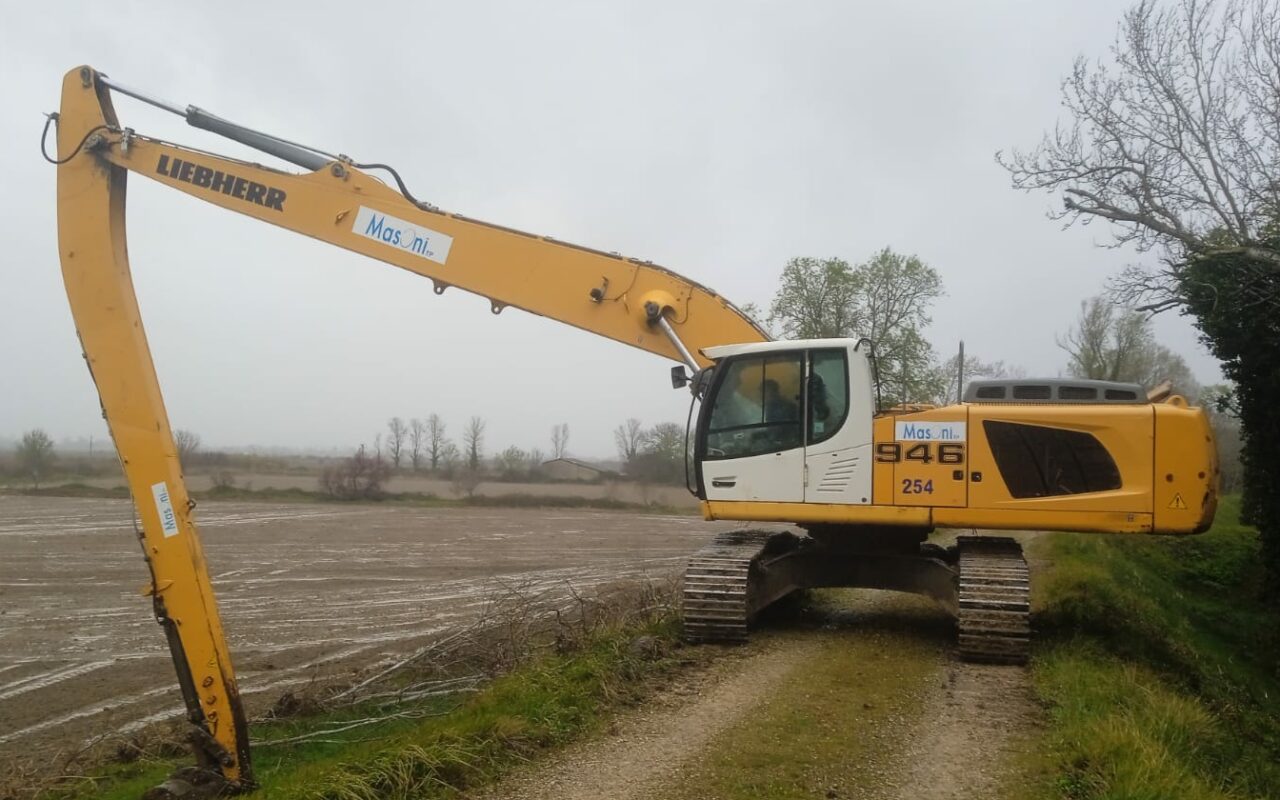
929,431
402,235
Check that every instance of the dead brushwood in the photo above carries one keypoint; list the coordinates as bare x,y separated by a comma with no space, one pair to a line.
318,735
71,769
518,621
542,704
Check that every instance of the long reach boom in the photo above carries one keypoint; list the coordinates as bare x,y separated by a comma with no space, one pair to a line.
634,302
788,431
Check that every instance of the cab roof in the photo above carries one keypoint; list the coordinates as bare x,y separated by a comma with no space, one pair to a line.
725,350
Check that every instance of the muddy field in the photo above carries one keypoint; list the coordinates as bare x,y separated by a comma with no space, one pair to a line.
624,491
305,591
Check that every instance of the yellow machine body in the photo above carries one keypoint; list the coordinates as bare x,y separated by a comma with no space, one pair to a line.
1164,456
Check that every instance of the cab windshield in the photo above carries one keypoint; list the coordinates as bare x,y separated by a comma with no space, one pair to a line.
768,403
756,408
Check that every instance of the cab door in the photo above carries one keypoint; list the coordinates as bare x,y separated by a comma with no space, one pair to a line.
838,436
753,446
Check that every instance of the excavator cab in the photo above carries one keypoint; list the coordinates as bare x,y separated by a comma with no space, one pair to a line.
775,411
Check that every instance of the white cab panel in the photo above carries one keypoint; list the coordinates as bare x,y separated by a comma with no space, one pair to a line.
770,477
840,466
840,476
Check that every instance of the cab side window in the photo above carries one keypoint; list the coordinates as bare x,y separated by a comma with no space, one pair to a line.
828,394
757,407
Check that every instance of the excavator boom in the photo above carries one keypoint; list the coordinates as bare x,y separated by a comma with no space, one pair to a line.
633,302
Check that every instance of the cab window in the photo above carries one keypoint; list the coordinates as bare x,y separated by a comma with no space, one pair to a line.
828,393
756,408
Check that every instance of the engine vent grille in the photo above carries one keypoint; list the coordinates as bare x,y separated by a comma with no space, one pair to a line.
1054,390
838,474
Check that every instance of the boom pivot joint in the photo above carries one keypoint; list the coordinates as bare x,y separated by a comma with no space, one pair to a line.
655,314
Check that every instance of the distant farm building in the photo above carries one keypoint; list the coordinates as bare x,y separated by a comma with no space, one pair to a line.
570,469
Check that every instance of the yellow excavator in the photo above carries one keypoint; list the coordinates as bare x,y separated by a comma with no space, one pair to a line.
786,431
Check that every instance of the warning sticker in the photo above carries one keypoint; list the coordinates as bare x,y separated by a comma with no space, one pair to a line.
1178,502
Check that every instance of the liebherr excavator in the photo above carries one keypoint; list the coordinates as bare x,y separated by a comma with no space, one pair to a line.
787,431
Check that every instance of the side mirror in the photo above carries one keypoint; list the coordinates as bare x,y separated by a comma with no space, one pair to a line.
679,378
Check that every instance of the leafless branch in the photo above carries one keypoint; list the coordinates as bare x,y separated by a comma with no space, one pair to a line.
1175,138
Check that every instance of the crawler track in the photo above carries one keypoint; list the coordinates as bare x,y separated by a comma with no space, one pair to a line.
716,602
728,581
994,600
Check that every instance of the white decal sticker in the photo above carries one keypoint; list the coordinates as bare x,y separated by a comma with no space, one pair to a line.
929,431
406,236
168,519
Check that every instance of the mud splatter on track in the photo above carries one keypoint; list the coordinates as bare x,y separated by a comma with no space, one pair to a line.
305,590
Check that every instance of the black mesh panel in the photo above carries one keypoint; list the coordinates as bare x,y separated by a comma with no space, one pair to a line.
1038,461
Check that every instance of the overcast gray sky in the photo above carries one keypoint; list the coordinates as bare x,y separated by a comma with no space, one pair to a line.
718,139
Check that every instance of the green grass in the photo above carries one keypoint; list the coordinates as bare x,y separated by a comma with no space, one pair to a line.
540,705
1159,667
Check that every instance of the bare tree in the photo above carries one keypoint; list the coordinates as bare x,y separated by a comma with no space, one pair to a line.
536,459
1220,403
1176,141
417,439
974,368
466,482
1166,365
450,457
512,464
35,454
628,437
662,454
437,442
397,437
1113,343
473,442
559,440
1107,343
359,477
187,442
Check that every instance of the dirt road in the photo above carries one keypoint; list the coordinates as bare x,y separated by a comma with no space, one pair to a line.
862,699
305,590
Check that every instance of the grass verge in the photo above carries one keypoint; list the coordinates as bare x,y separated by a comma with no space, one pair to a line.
1159,666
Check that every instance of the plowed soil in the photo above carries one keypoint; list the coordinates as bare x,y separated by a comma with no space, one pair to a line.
306,591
